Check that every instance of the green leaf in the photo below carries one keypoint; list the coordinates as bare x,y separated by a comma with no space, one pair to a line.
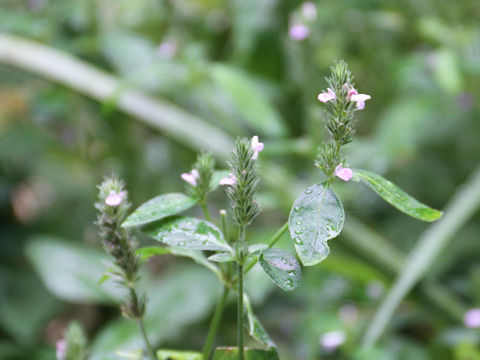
255,328
188,233
316,217
71,271
222,257
396,196
147,252
158,208
178,355
231,353
282,268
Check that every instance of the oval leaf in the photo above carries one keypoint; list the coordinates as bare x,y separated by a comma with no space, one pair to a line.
282,268
158,208
395,196
71,271
188,233
316,217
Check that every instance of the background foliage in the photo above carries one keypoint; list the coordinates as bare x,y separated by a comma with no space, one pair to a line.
234,65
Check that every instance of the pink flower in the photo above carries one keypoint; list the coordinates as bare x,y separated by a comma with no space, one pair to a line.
299,32
229,181
61,350
114,198
359,99
191,177
167,49
343,173
471,318
333,339
350,90
256,147
327,96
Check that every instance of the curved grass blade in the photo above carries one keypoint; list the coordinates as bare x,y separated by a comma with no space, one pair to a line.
396,196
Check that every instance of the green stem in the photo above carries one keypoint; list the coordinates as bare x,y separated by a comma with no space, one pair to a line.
240,313
271,244
214,324
240,262
151,353
205,211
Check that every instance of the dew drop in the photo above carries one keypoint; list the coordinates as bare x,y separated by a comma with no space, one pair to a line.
298,222
289,282
308,191
291,272
298,232
297,209
298,241
181,243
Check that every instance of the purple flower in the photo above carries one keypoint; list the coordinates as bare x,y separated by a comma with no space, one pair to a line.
471,318
359,99
332,340
114,198
309,11
299,32
167,49
191,177
343,173
229,181
61,350
256,147
327,96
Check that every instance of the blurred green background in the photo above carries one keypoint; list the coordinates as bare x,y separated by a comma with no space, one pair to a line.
233,65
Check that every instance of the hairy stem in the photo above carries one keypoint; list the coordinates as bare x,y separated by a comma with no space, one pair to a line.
214,324
205,211
240,262
240,313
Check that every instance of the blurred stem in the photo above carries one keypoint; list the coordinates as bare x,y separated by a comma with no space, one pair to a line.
151,353
178,124
205,210
223,217
429,246
214,324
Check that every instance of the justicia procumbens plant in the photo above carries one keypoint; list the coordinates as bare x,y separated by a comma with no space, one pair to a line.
317,214
112,209
316,217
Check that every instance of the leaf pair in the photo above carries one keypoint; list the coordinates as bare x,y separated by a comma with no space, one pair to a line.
318,216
